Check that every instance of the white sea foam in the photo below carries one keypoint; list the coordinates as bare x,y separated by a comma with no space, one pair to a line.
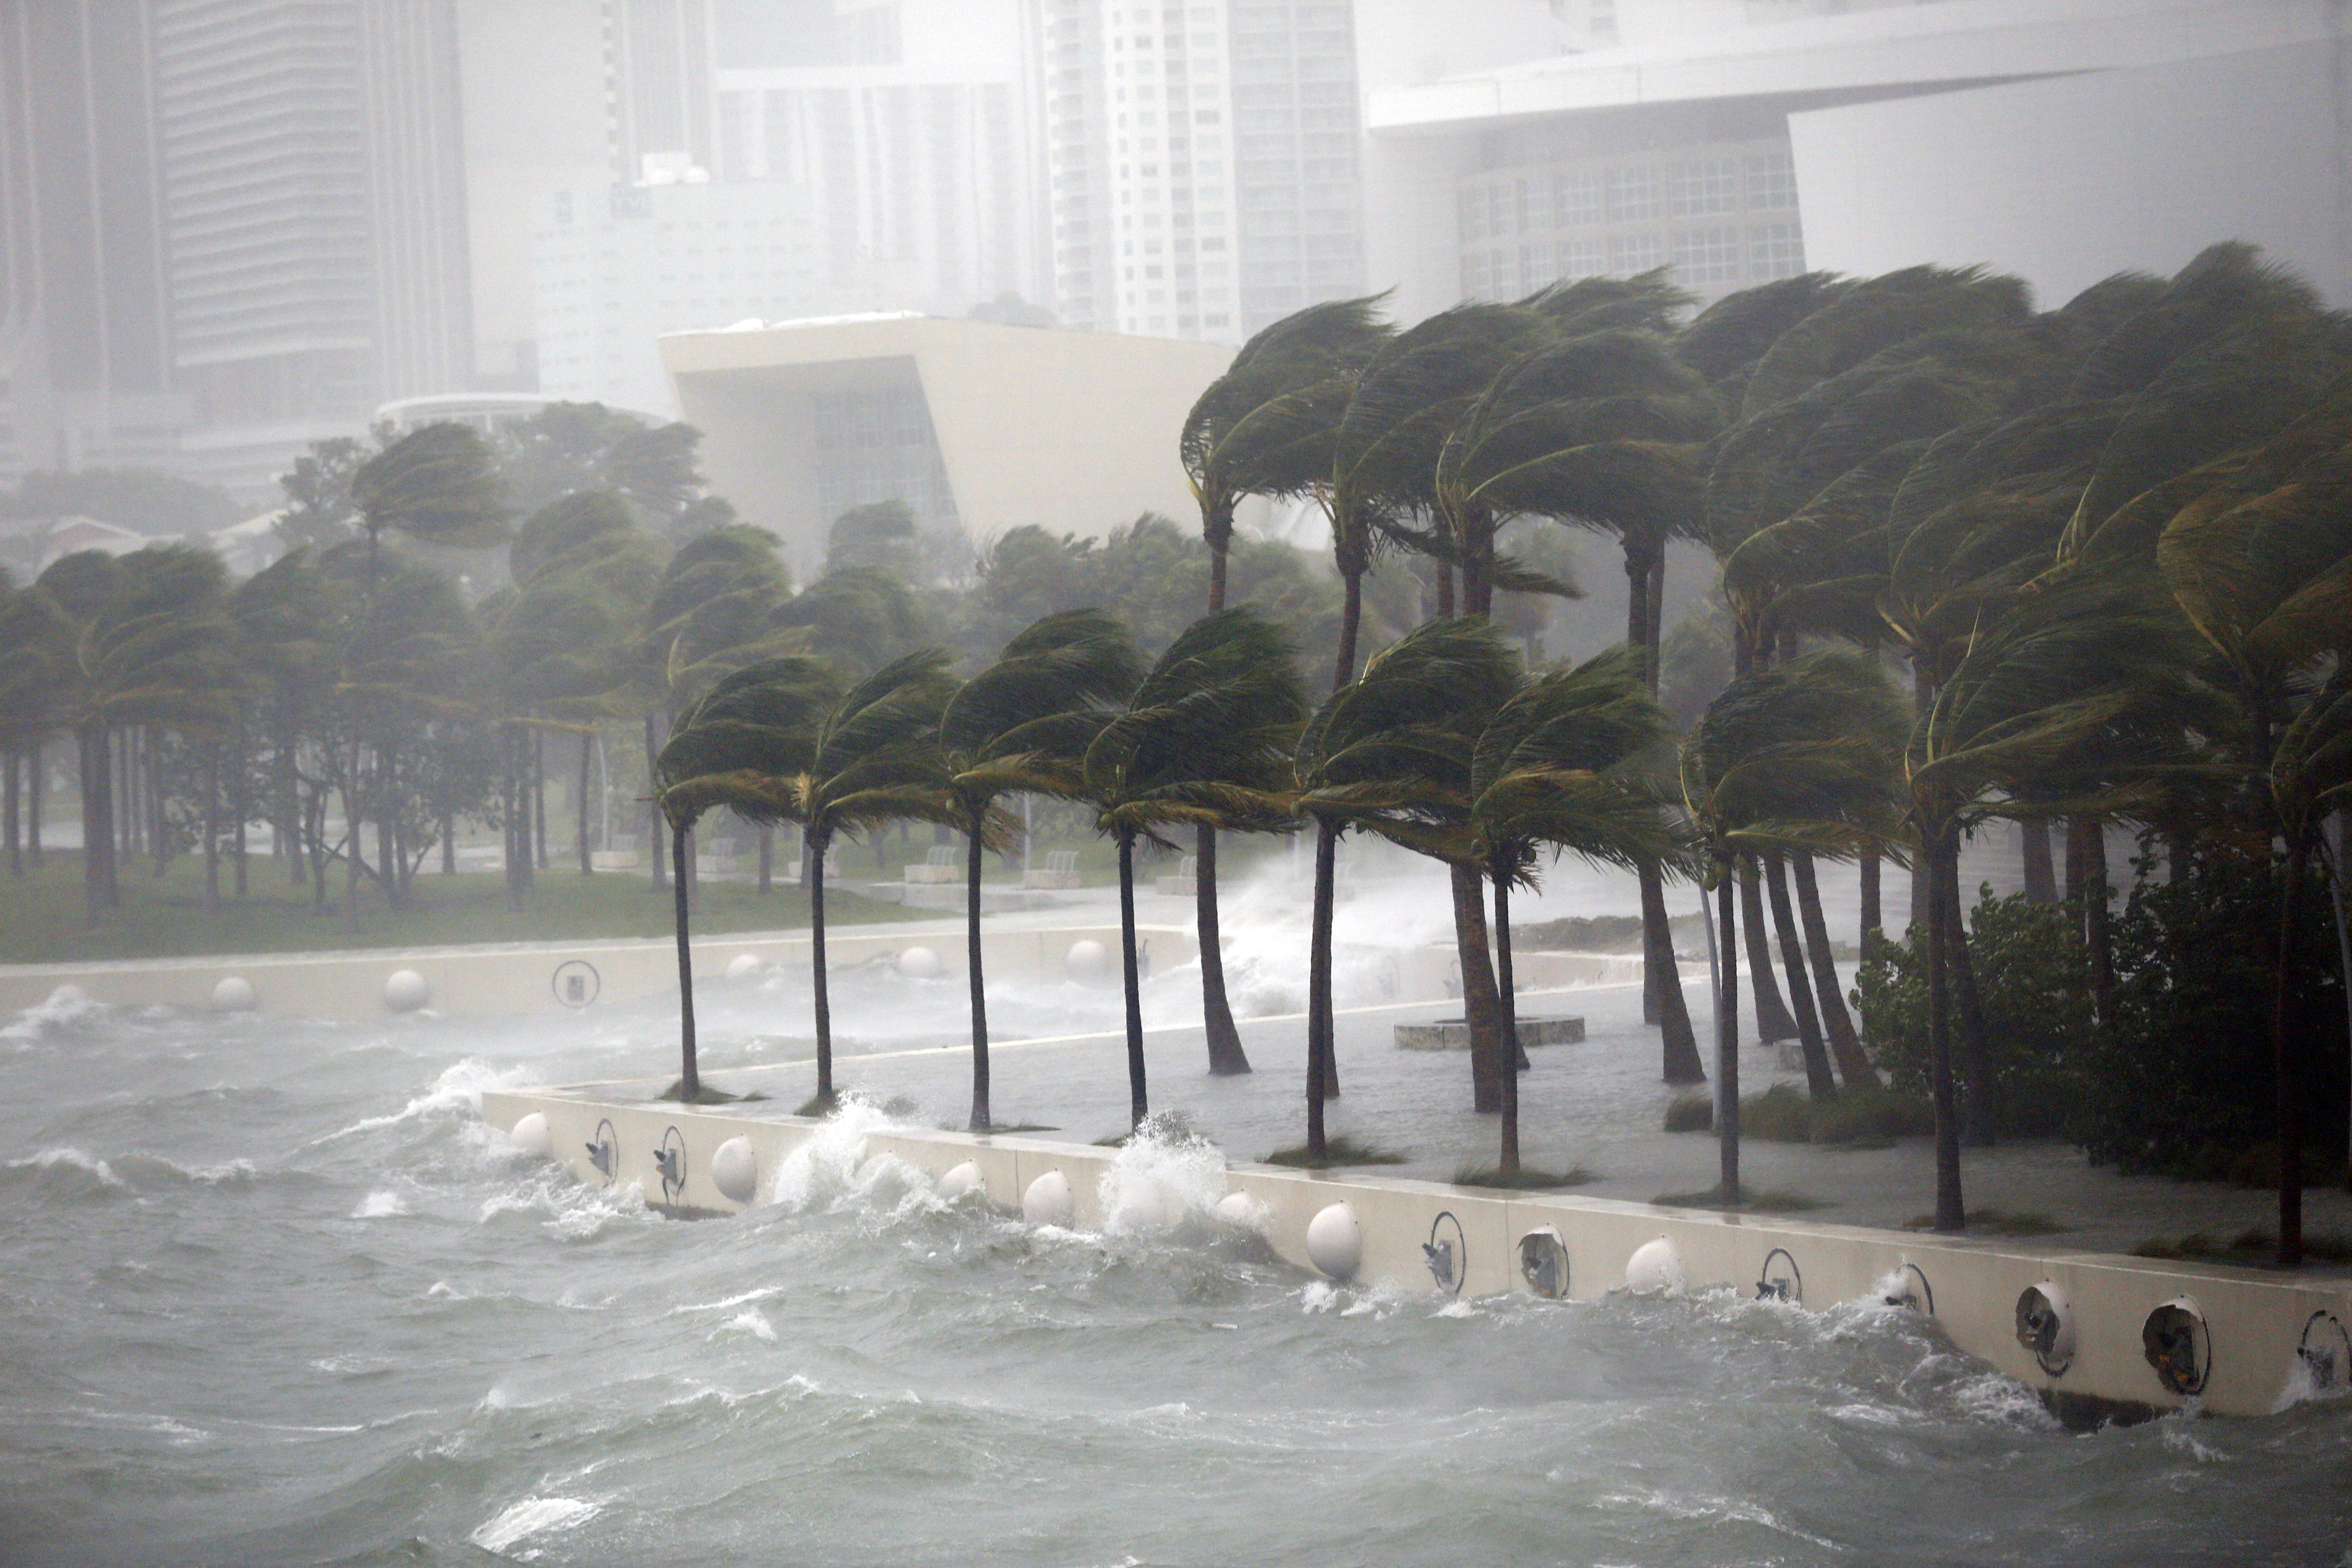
533,1516
381,1204
831,1158
1159,1177
749,1322
63,1006
69,1158
457,1091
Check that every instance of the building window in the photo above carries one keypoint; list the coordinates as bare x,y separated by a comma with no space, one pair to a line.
1535,267
1473,275
1631,253
1474,213
1771,182
1702,187
1705,255
1580,258
1633,195
1575,198
1775,250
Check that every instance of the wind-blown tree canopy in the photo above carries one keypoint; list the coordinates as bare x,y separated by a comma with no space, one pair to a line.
730,748
439,484
1202,741
1019,725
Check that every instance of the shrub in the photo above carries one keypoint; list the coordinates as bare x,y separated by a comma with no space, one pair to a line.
1872,1117
1690,1113
2033,977
1784,1114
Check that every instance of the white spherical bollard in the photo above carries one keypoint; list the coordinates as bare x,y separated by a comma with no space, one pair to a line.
1240,1209
746,966
735,1170
1088,961
405,991
1047,1201
1335,1242
1655,1268
530,1134
920,963
961,1180
235,995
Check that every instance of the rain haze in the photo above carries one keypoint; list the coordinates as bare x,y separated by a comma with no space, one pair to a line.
1185,781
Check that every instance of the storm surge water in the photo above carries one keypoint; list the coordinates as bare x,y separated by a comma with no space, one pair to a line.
273,1295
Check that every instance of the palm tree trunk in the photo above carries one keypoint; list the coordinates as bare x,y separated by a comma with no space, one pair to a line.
1727,1034
1845,1047
11,806
1951,1214
2098,926
1444,590
2340,906
539,799
2040,874
1819,1081
2286,1054
97,775
1663,1001
36,789
587,755
1981,1118
981,1121
1319,985
652,761
212,828
1872,922
1139,1102
812,853
1226,1057
689,1076
1773,1023
1507,1160
767,858
1481,1008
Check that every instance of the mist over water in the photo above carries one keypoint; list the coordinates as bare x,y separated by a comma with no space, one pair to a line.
273,1294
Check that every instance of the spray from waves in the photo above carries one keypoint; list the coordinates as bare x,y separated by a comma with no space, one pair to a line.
533,1516
833,1159
456,1092
381,1204
69,1172
1163,1174
566,1209
66,1004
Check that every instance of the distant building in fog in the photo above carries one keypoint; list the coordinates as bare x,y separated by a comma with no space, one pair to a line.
619,266
1737,140
977,427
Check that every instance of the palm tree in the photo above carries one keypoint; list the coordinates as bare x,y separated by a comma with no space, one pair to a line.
1390,751
1801,755
871,758
1556,768
730,747
1267,427
439,484
1017,726
1204,738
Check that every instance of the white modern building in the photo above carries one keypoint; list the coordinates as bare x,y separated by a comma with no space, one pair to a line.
977,427
617,267
1739,142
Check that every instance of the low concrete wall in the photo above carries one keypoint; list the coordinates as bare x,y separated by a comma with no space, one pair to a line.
513,980
2255,1323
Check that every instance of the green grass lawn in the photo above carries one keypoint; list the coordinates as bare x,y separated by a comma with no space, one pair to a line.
42,919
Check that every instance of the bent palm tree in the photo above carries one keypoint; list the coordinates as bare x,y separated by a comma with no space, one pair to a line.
730,748
1203,739
1017,726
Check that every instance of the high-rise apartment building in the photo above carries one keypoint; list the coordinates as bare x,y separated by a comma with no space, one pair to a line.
85,340
1201,160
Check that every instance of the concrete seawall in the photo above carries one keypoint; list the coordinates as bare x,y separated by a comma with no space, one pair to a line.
2247,1341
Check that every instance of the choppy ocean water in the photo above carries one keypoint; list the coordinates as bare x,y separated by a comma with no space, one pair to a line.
269,1293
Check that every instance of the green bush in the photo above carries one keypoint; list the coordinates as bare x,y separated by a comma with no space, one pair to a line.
1690,1113
2180,1072
1872,1117
1785,1114
2032,975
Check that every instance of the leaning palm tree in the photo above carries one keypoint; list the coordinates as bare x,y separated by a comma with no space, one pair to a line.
1204,738
1390,751
1265,427
729,748
1015,726
439,484
871,760
1559,767
1800,755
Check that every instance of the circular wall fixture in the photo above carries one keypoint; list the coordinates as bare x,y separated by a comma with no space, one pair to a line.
1446,1252
920,963
746,966
669,1163
2045,1325
576,983
1047,1201
1655,1268
2179,1345
604,1153
532,1135
2325,1352
962,1180
1910,1289
1787,1284
404,991
1239,1209
735,1170
1543,1263
1335,1242
235,995
1088,962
